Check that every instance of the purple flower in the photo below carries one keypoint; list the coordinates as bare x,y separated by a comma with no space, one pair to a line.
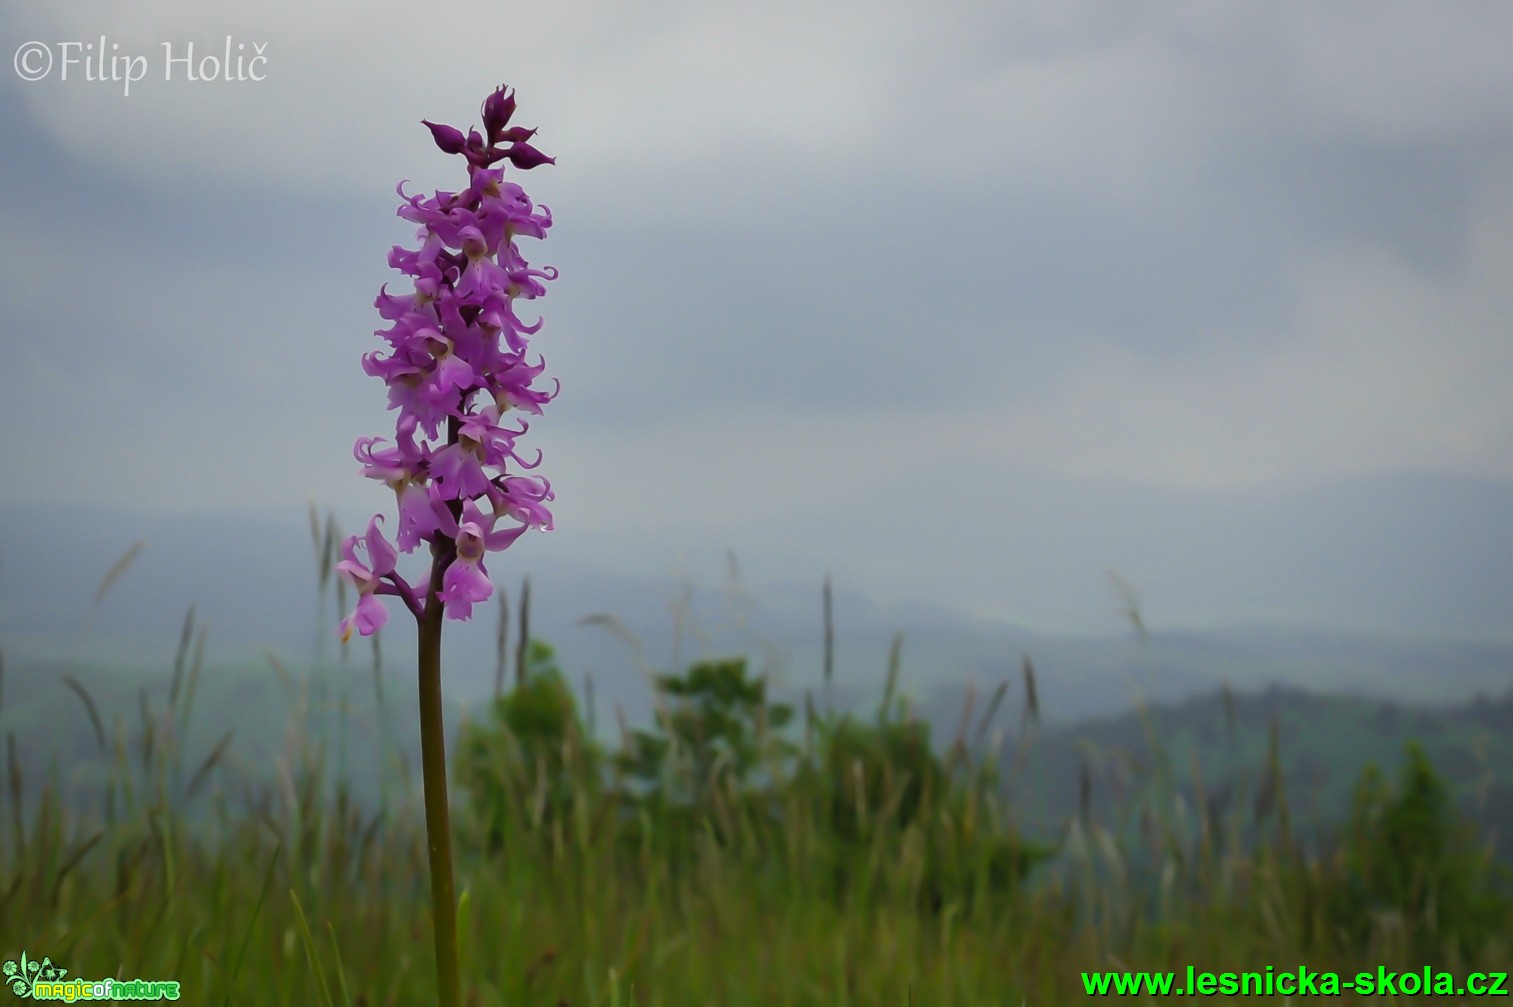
466,583
455,363
524,499
370,613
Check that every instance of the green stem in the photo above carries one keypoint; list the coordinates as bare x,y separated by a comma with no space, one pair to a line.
433,763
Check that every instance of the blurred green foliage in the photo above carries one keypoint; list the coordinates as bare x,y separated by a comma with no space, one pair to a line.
721,766
1408,859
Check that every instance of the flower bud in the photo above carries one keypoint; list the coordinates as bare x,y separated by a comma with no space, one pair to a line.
497,109
521,155
448,138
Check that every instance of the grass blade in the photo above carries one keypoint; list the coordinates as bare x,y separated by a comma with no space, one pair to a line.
309,942
829,668
89,707
185,635
114,573
525,631
205,767
1031,697
241,954
895,653
501,643
72,862
993,704
341,973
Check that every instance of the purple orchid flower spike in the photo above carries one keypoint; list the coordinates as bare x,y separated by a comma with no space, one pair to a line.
454,363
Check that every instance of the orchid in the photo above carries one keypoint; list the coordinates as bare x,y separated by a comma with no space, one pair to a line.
454,363
370,614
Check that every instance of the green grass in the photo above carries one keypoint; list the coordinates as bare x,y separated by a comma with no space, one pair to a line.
736,852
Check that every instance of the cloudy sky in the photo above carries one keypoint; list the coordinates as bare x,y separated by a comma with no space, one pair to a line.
848,288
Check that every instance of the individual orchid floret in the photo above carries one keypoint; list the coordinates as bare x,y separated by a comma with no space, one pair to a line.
370,614
420,510
513,387
482,275
524,499
458,470
466,582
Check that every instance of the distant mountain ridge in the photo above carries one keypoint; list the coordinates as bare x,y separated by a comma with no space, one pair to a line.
1215,748
1433,544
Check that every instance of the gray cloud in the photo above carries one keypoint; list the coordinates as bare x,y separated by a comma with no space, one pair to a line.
812,260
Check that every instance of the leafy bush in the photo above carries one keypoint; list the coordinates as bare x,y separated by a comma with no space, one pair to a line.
1408,859
715,727
532,764
718,771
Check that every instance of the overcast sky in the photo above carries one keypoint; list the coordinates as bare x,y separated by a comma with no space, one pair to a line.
824,267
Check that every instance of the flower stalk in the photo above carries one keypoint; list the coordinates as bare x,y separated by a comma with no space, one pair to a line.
458,353
433,771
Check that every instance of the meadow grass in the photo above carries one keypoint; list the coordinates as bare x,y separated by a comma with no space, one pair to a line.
734,853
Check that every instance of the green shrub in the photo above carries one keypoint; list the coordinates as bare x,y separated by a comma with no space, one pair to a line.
1408,858
532,765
